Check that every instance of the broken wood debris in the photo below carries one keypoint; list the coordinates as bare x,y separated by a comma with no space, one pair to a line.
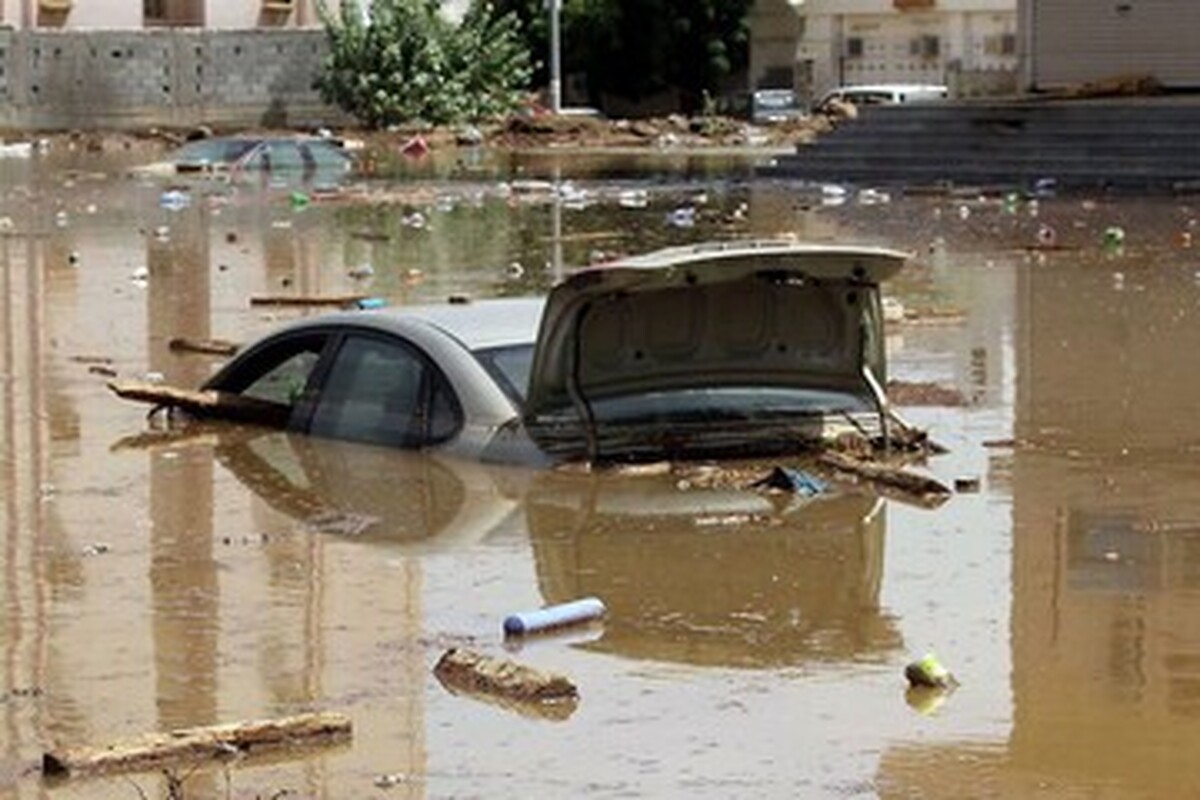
508,684
909,485
335,300
214,347
198,744
204,403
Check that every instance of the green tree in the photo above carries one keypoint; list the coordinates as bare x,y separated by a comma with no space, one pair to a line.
635,48
403,62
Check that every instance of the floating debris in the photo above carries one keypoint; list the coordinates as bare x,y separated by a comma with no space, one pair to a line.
928,672
554,617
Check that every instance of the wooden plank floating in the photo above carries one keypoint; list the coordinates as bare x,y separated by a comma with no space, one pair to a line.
337,301
206,403
213,347
198,744
510,685
909,485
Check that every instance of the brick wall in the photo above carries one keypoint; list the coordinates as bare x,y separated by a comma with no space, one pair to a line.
113,79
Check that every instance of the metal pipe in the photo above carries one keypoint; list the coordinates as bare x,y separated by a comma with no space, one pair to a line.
555,57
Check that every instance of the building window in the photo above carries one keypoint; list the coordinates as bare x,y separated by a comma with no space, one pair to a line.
173,13
1000,45
925,47
854,47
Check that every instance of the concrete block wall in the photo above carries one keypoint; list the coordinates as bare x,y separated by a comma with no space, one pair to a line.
127,79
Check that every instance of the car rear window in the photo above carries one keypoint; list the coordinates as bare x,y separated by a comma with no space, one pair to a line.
510,367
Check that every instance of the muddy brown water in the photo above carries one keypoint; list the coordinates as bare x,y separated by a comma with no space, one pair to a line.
754,648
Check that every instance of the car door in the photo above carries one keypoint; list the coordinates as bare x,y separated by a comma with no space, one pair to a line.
383,390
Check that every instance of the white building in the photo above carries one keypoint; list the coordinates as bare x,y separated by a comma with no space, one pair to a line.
969,44
210,14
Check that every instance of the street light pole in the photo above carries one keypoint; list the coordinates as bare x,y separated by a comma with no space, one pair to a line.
555,57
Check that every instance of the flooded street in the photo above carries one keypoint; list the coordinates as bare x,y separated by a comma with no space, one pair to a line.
754,645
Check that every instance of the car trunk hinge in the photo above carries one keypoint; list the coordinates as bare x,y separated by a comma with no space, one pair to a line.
881,405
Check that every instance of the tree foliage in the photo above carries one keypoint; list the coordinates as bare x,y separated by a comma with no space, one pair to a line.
402,62
635,48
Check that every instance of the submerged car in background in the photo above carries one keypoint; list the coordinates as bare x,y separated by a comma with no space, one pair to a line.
769,106
712,350
224,155
884,94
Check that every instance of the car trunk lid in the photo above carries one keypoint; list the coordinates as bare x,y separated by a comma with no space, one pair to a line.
769,314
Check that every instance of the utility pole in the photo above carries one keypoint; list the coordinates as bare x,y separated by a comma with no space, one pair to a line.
555,57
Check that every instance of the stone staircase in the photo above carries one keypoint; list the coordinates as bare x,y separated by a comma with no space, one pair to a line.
1135,144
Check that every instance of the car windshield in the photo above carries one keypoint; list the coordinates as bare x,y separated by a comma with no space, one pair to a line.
214,151
510,367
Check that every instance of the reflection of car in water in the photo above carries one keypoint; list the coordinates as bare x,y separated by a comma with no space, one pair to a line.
726,349
687,577
707,575
287,155
368,492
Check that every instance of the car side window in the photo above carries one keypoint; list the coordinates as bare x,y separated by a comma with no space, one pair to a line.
285,382
278,372
384,392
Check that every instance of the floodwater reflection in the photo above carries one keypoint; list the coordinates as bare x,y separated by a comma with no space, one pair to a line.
715,577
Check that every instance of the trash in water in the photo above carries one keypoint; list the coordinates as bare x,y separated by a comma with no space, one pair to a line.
1114,236
684,217
964,212
73,258
893,310
788,479
1045,187
299,200
553,617
414,220
16,150
515,271
512,686
1047,236
368,303
342,523
633,198
174,200
140,275
928,672
61,219
966,485
470,136
873,197
416,147
96,549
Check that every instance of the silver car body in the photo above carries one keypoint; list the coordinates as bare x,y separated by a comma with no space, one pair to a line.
613,352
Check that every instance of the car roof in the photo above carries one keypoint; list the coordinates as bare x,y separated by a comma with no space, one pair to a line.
479,324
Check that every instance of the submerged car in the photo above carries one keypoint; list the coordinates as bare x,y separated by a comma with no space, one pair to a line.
278,154
722,349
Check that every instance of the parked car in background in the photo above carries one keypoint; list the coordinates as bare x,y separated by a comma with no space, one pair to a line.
884,94
292,155
769,106
723,349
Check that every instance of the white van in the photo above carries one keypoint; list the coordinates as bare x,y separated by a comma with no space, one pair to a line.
885,93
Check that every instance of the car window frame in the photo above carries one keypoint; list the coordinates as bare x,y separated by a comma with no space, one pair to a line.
247,366
432,373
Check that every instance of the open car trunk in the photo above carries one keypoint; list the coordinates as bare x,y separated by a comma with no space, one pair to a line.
718,349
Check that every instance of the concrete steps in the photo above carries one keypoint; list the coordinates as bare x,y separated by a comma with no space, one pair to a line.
1114,144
